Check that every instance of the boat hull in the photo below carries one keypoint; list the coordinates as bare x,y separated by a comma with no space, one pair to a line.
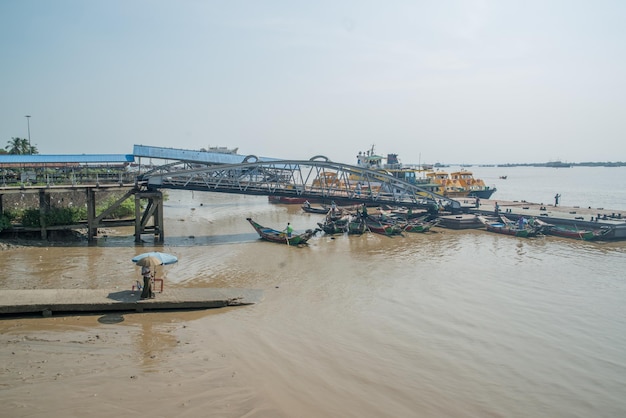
378,227
419,227
582,234
482,194
280,237
311,209
289,200
503,229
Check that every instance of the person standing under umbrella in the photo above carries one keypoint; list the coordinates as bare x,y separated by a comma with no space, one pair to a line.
147,274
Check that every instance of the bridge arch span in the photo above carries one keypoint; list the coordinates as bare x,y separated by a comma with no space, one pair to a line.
310,179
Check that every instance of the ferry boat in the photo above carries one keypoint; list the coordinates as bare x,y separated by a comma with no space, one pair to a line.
410,174
454,185
460,184
475,187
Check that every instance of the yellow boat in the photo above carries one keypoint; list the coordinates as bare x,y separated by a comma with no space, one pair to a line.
460,184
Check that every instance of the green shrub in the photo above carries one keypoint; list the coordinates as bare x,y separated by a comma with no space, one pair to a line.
124,210
5,222
55,216
30,218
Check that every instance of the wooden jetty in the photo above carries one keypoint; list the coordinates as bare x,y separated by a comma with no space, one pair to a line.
66,301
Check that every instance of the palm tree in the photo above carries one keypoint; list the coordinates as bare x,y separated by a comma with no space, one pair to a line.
20,146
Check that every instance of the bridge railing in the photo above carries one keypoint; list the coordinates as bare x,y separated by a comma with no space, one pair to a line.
33,178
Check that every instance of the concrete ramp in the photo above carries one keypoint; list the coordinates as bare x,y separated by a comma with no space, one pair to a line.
49,301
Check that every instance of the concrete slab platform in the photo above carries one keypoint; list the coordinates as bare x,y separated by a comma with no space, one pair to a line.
48,301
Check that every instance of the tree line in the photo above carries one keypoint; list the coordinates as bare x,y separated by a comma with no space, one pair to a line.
19,146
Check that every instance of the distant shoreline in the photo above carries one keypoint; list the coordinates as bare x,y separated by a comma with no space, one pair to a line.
552,164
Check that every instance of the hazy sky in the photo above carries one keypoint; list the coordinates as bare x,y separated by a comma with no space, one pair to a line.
434,81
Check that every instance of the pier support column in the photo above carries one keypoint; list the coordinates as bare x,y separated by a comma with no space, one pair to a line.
151,222
92,228
137,217
44,208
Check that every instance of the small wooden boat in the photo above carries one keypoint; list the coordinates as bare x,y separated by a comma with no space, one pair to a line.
322,210
287,199
331,228
570,231
407,214
529,225
356,226
503,228
383,228
281,237
334,227
420,226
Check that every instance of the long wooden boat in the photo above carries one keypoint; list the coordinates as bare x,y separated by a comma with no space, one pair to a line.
322,210
281,237
288,199
420,226
530,225
378,227
334,227
503,228
356,226
570,231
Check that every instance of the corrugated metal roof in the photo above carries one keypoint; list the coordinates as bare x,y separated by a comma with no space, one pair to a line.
187,155
66,158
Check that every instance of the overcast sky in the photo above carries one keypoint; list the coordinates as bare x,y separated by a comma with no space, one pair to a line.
433,81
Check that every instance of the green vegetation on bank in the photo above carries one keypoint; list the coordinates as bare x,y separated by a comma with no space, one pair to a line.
31,217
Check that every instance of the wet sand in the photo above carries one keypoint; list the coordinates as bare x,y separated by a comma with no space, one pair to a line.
74,366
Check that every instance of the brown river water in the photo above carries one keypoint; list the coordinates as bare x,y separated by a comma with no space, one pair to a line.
445,324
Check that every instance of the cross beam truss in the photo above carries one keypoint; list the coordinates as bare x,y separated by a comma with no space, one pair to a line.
317,178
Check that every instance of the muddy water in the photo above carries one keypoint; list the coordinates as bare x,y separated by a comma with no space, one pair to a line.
454,323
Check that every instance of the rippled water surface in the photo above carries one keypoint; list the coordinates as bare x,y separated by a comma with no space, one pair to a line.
451,323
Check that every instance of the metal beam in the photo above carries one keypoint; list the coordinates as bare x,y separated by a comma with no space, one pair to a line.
304,178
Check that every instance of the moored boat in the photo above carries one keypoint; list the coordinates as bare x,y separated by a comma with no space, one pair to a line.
356,226
420,225
474,187
281,237
504,228
460,184
286,199
567,231
330,226
306,206
383,228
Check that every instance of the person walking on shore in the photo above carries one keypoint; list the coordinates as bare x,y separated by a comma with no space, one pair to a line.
556,199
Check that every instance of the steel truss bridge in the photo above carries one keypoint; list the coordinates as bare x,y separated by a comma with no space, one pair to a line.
316,179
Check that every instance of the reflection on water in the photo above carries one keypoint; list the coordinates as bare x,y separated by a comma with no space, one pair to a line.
152,342
452,323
